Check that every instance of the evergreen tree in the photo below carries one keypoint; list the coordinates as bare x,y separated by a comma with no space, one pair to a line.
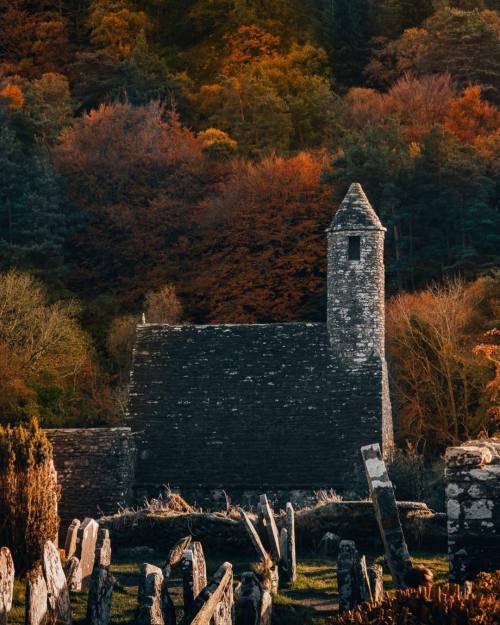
32,222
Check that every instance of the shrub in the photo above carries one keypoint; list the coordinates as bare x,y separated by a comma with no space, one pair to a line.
440,604
416,478
28,493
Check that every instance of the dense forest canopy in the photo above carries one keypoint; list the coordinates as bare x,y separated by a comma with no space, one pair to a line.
186,157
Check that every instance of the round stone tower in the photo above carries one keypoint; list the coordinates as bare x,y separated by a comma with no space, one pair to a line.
356,307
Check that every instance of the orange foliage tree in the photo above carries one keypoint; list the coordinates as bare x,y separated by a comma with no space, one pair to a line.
438,377
262,249
137,174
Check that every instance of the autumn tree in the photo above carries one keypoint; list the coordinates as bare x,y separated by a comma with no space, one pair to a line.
262,246
272,101
137,175
48,354
163,306
464,43
438,381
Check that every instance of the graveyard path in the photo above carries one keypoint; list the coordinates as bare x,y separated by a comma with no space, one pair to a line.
325,604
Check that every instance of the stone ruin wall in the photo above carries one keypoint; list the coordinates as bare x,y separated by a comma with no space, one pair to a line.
95,469
473,506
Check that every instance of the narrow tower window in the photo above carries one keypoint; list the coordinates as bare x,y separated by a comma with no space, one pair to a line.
354,249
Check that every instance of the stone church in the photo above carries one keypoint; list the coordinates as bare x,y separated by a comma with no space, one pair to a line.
281,407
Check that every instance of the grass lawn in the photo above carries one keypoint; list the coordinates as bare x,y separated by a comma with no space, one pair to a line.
310,600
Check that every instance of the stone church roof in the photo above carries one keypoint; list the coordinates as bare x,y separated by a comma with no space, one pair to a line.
355,212
248,405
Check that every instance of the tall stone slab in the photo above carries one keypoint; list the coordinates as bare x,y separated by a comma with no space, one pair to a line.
57,588
150,605
290,541
85,546
347,582
386,512
103,548
6,583
376,577
100,596
194,574
254,537
71,538
271,528
472,478
37,601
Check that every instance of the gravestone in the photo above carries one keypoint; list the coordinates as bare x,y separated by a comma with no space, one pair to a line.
85,546
71,538
214,605
57,588
271,528
150,608
175,555
254,605
329,545
194,574
6,583
290,541
73,574
376,577
254,537
36,602
352,577
284,551
386,512
100,596
103,548
365,592
266,608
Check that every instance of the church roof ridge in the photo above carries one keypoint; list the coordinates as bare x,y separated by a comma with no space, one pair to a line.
202,326
355,212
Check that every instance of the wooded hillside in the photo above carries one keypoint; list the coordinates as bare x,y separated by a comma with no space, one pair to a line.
195,150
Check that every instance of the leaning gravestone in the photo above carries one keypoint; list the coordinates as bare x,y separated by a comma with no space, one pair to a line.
6,583
73,574
214,605
36,604
150,608
71,539
175,555
85,547
194,574
271,528
103,548
386,512
100,596
57,588
254,537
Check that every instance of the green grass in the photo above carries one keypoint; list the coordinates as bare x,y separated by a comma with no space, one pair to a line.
309,601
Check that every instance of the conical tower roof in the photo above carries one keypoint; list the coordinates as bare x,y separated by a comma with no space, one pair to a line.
355,212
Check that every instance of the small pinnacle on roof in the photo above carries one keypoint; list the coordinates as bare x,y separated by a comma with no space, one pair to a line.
355,212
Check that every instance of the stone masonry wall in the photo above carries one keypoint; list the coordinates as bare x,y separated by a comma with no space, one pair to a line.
473,506
356,295
95,469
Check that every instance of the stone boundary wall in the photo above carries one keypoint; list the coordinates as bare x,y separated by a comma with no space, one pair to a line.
473,505
95,468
